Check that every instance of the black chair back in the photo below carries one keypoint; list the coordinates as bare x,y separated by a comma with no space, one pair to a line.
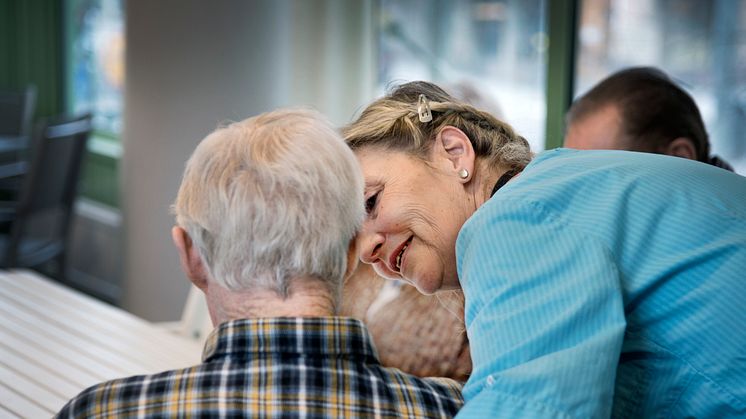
16,112
49,185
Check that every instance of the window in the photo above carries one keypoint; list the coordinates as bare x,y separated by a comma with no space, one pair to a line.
493,49
96,62
94,80
700,43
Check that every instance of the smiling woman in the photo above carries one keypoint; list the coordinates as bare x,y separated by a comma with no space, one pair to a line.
420,192
583,270
413,216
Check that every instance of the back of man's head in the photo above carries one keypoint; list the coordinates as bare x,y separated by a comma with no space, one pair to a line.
653,110
272,198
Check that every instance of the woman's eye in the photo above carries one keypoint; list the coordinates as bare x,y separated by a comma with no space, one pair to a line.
370,203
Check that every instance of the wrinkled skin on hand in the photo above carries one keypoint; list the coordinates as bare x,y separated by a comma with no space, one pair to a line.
420,334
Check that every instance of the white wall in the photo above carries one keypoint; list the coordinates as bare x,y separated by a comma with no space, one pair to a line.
192,64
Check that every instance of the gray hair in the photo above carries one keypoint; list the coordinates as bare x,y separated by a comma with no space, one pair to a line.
271,198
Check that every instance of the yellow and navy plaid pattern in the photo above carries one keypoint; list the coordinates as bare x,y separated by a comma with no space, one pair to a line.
324,367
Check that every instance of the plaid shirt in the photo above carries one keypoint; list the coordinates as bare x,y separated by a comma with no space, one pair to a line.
277,367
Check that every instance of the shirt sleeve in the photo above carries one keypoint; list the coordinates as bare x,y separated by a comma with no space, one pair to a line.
544,315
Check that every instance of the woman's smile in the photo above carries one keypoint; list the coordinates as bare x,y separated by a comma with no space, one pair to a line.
398,255
410,230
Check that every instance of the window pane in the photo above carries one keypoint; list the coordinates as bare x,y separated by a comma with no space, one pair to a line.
96,61
495,50
700,43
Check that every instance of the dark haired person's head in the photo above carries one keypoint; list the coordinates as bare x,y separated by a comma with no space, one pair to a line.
639,109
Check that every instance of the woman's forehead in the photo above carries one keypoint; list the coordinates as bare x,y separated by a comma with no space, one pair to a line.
377,166
379,162
381,168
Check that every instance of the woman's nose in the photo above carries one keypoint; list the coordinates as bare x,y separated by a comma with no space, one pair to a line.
369,245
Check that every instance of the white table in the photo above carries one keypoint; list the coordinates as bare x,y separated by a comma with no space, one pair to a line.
55,342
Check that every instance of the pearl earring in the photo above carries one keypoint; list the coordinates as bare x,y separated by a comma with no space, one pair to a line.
463,173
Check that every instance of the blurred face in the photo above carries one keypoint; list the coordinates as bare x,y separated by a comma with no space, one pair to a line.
601,130
414,213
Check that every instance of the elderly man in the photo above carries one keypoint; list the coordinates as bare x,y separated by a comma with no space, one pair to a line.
640,109
265,216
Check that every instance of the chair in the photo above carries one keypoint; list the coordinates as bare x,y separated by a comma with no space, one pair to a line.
40,219
195,320
16,113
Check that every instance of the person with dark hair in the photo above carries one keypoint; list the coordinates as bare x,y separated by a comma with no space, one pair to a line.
640,109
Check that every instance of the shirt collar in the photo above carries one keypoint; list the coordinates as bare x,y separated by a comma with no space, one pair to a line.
290,335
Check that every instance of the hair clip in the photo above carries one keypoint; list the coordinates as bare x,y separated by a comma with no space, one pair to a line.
423,109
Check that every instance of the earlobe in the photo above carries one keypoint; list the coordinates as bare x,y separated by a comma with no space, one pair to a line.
191,261
454,145
681,147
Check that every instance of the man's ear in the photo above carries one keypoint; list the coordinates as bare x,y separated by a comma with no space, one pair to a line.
191,261
352,260
453,145
681,147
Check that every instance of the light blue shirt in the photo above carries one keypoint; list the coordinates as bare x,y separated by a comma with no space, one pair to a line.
607,283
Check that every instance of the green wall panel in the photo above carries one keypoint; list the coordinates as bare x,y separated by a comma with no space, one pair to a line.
31,50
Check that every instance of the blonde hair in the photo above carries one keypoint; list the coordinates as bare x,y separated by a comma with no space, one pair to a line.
271,198
392,123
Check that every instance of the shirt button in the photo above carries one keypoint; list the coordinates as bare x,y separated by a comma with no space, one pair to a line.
490,381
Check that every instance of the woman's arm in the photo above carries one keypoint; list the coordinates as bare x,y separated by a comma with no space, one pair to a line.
544,314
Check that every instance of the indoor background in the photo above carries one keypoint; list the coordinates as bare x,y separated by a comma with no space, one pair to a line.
160,75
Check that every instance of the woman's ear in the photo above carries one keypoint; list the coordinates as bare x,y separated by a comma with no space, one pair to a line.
454,146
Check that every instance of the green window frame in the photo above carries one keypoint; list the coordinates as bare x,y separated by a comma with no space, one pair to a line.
560,68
